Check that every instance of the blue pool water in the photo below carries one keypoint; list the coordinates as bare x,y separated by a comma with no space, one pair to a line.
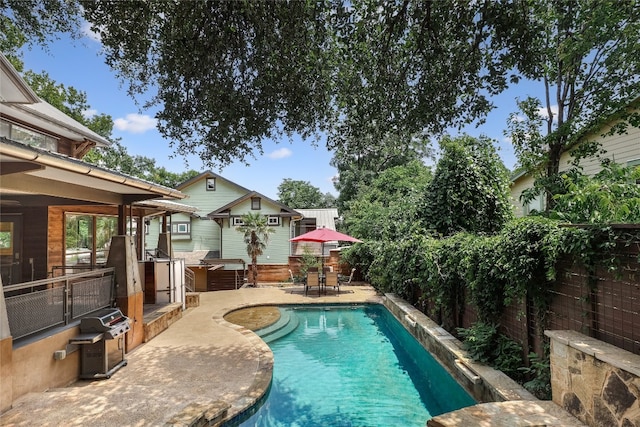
346,366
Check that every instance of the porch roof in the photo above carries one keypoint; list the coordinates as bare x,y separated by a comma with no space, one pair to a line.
165,206
19,102
30,171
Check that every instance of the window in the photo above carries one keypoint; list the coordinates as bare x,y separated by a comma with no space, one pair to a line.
237,221
180,228
27,136
88,238
255,203
273,220
211,184
6,238
535,205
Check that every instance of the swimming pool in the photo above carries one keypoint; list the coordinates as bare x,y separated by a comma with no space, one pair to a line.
353,366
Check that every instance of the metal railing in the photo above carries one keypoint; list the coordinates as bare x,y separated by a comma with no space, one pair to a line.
189,280
240,282
35,306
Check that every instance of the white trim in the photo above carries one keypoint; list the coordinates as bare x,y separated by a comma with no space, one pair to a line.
273,220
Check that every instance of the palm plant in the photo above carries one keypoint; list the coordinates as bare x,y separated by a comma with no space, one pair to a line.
256,236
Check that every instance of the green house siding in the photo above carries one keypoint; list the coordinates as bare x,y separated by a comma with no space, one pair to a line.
151,237
208,201
277,251
205,235
221,234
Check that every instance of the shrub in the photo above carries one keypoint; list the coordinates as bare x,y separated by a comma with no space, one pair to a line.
538,374
484,343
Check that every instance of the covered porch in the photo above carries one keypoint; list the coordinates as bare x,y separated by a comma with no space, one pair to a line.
72,239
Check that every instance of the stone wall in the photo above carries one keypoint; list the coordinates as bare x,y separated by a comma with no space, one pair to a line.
482,382
594,381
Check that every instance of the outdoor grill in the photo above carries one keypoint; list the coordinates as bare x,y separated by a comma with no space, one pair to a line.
102,341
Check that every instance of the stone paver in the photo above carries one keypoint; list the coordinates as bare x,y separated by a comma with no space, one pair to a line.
514,413
199,365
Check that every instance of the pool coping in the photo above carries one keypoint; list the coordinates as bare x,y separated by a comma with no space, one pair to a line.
484,383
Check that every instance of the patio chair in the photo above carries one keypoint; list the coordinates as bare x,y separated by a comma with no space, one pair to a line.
293,278
313,279
347,282
332,281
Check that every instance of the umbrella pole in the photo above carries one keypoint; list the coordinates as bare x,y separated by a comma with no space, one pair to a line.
323,280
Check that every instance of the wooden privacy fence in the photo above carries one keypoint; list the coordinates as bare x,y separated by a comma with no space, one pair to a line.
603,303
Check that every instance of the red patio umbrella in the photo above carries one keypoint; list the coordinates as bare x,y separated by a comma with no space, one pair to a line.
323,235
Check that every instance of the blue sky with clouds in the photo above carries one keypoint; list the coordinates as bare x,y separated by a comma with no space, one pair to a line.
78,63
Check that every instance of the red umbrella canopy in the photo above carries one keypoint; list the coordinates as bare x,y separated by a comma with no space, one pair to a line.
324,235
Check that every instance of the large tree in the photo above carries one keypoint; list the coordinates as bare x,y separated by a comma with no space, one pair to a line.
391,206
588,69
302,195
470,188
230,74
359,160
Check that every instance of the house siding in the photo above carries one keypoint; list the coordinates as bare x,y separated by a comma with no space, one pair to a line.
221,234
277,251
205,233
620,148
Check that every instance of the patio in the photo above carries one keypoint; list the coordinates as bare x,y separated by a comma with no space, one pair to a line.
183,375
203,370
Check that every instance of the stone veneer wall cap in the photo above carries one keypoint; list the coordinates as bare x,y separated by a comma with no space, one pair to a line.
600,350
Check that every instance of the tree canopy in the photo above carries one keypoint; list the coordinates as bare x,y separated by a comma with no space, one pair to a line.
229,74
391,206
302,195
470,188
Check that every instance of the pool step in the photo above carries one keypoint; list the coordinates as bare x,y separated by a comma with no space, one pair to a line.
287,323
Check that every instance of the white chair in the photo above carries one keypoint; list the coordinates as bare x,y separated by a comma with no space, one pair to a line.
353,270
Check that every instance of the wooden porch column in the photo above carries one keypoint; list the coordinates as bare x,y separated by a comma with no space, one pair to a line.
122,220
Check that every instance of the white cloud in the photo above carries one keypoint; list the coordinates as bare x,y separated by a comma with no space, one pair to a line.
86,31
135,123
89,113
542,112
280,153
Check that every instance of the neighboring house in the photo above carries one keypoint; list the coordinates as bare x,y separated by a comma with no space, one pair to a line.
312,219
208,239
59,215
623,149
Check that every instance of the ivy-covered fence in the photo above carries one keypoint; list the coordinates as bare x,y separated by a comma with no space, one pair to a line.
535,274
602,301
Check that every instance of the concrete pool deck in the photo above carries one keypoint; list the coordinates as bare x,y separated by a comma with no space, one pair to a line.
184,374
199,368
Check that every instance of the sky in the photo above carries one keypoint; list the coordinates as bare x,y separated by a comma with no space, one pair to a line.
78,63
